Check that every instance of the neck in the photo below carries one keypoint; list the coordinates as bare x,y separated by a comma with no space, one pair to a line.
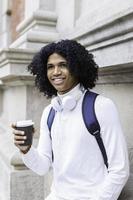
75,91
66,91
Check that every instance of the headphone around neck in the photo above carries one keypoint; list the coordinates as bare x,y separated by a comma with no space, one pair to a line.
67,102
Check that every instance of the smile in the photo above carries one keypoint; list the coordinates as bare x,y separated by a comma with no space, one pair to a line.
57,80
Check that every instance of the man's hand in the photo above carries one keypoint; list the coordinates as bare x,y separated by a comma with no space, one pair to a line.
19,139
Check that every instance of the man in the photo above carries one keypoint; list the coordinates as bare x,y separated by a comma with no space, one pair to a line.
65,70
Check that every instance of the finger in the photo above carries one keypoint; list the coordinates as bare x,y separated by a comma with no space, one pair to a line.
13,125
16,132
18,137
19,142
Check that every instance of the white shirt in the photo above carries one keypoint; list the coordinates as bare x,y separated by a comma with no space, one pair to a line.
78,167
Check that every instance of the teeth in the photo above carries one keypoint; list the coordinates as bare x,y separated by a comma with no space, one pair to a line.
58,80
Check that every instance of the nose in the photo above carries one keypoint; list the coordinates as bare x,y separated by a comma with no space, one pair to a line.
57,70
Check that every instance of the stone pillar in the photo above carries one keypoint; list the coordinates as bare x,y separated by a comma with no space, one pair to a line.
18,86
39,25
18,101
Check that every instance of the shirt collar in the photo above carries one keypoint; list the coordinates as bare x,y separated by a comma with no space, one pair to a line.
75,92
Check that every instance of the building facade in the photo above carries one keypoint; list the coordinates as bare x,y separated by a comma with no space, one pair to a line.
105,28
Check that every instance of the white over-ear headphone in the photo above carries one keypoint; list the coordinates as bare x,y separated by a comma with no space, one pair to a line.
67,103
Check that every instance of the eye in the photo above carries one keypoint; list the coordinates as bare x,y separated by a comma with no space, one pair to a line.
63,65
49,66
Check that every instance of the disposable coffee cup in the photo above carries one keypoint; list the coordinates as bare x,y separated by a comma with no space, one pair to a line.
27,127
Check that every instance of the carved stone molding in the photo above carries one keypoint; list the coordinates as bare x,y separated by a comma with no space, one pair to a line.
13,64
112,28
37,30
117,74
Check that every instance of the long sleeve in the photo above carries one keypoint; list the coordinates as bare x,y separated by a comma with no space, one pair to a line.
39,160
118,170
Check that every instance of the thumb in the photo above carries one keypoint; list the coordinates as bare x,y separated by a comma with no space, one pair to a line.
13,125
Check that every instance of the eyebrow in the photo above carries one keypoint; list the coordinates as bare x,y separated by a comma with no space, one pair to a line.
61,62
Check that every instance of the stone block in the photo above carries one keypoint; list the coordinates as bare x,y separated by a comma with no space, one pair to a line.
26,185
4,180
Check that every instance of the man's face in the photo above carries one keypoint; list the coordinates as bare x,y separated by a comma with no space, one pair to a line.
59,75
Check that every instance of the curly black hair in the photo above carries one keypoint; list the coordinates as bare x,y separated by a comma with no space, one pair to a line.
80,62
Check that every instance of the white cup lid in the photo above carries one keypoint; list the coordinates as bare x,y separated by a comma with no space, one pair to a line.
24,123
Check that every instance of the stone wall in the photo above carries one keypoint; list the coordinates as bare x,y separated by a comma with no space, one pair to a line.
104,28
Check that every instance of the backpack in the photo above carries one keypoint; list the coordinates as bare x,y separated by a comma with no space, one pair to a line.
90,120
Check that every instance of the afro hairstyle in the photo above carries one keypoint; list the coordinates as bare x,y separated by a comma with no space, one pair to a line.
80,61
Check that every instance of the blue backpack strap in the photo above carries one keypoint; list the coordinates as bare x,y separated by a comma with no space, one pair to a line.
50,119
91,122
